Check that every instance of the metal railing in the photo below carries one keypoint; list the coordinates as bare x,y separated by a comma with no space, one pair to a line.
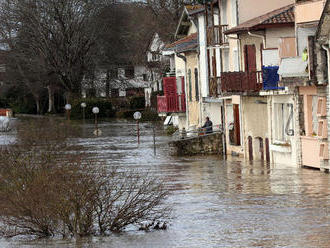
183,134
216,36
171,104
241,81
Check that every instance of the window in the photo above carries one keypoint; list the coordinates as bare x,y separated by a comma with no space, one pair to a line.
196,85
283,119
145,77
114,73
287,47
226,60
2,68
189,82
129,72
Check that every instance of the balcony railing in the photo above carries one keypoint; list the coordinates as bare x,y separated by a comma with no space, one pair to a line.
215,35
171,104
241,81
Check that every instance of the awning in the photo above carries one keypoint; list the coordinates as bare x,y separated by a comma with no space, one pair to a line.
293,67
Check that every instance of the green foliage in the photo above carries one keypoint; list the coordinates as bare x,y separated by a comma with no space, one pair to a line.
156,93
104,105
170,130
150,115
127,114
137,102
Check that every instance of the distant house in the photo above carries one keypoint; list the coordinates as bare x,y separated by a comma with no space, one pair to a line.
119,82
156,65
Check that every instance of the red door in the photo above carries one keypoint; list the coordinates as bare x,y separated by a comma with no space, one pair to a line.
169,84
237,132
250,58
250,67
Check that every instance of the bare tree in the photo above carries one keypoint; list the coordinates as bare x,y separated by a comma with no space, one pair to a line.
47,191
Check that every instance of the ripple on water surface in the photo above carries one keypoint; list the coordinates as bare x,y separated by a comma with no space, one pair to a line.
216,203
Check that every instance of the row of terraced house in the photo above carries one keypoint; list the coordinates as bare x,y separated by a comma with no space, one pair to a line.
259,69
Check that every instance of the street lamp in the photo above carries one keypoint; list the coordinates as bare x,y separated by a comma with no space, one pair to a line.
83,106
137,116
95,111
68,109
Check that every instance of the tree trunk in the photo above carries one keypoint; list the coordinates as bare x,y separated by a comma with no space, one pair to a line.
107,85
36,99
51,104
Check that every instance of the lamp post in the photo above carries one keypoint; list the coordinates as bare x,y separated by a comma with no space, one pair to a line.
137,116
83,106
95,111
67,109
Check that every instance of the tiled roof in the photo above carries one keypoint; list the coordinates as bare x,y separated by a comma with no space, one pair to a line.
284,15
194,9
187,43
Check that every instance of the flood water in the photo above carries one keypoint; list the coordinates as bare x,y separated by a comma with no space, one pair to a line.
216,203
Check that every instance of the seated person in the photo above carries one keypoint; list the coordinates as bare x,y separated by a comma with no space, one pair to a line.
208,125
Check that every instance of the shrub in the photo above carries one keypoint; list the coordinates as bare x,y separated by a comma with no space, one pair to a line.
150,115
127,114
170,130
137,102
104,105
47,191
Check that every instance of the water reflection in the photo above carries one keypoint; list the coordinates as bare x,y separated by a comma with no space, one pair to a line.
216,203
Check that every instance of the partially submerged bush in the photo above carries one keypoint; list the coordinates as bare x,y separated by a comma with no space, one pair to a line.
170,130
49,191
105,106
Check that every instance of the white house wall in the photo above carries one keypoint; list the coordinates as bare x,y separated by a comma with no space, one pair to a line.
274,34
179,67
203,57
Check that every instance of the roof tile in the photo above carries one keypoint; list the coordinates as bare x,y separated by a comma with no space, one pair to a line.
282,15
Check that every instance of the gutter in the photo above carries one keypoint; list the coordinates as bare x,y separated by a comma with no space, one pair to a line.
327,49
263,37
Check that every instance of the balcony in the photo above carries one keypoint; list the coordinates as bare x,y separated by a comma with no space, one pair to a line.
171,104
241,81
215,35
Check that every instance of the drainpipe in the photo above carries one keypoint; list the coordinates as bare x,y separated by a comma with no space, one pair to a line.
184,58
327,49
263,37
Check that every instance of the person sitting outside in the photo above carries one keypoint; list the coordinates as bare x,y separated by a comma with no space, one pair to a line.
208,125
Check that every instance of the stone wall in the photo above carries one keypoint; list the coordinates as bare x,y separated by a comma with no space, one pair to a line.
209,144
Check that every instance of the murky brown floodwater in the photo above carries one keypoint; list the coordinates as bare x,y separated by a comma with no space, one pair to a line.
216,203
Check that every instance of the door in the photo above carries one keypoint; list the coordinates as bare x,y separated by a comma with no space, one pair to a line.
170,87
261,148
250,58
267,150
237,133
250,143
250,67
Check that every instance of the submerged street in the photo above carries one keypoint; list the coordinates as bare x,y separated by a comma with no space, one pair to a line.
216,203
